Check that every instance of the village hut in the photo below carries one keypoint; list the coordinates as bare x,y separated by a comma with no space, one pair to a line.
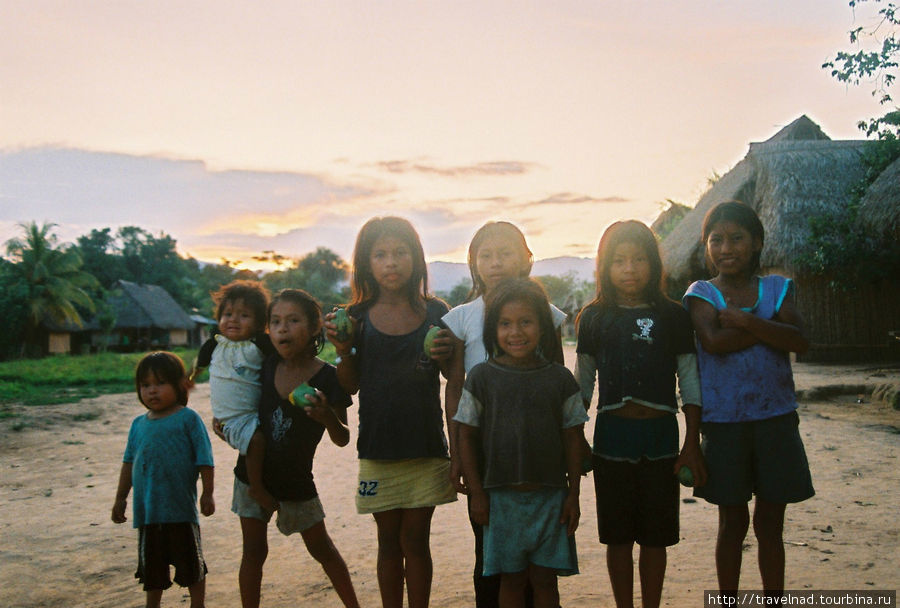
879,209
795,175
147,316
668,219
62,336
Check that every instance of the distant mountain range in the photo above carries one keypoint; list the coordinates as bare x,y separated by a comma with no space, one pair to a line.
444,276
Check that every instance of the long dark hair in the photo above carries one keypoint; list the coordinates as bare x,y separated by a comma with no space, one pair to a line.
530,293
741,214
165,366
364,287
637,233
312,310
489,231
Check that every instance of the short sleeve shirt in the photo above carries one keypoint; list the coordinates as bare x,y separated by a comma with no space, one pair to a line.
522,415
165,454
636,351
750,384
291,436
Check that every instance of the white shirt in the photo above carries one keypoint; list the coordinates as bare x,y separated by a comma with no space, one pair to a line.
466,321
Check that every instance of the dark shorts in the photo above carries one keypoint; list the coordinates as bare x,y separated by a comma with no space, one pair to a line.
162,545
762,457
637,502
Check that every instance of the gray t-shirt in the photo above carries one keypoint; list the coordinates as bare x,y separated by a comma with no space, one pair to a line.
521,414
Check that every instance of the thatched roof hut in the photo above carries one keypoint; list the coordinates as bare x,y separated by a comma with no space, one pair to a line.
797,174
146,316
879,209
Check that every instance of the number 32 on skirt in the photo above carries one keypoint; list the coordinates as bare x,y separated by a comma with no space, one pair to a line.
368,488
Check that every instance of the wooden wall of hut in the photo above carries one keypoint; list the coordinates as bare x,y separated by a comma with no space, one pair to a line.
850,325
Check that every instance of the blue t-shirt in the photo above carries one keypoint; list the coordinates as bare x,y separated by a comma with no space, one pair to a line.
750,384
165,454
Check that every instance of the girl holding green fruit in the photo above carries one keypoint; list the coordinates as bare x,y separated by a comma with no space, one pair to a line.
633,343
404,462
293,428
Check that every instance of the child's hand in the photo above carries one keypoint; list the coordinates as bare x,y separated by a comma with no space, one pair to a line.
318,408
442,347
571,513
331,333
692,458
207,504
118,512
480,508
456,475
218,428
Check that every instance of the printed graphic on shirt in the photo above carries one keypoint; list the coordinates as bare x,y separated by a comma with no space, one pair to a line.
280,425
644,325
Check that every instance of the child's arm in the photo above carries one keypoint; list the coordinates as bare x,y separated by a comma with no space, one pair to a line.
690,455
347,365
201,362
573,438
207,502
469,443
122,491
333,418
586,375
455,377
713,336
784,332
689,385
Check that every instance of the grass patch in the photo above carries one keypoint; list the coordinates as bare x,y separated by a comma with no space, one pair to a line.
70,378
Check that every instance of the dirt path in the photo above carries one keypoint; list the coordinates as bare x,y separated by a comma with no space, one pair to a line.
58,547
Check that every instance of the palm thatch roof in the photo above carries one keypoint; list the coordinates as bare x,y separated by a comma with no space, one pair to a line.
139,306
794,175
669,218
879,209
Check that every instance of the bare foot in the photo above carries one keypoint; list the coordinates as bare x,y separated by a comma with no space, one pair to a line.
265,500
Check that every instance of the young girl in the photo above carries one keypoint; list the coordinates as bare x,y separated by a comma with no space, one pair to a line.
746,325
404,466
498,251
634,340
167,448
234,357
292,434
523,478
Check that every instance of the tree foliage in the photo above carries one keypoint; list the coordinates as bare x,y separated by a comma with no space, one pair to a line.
49,279
321,273
874,59
838,246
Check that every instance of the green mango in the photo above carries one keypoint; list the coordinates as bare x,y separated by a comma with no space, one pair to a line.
300,395
343,325
429,339
685,477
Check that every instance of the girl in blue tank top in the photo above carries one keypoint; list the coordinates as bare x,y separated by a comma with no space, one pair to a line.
746,327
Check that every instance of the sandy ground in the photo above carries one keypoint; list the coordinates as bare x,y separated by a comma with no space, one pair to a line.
58,546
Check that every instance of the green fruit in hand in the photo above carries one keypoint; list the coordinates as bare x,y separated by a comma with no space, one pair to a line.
685,477
429,339
343,326
300,395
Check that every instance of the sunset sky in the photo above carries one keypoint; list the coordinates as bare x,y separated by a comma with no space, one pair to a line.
238,127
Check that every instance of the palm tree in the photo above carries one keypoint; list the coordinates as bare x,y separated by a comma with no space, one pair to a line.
50,276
